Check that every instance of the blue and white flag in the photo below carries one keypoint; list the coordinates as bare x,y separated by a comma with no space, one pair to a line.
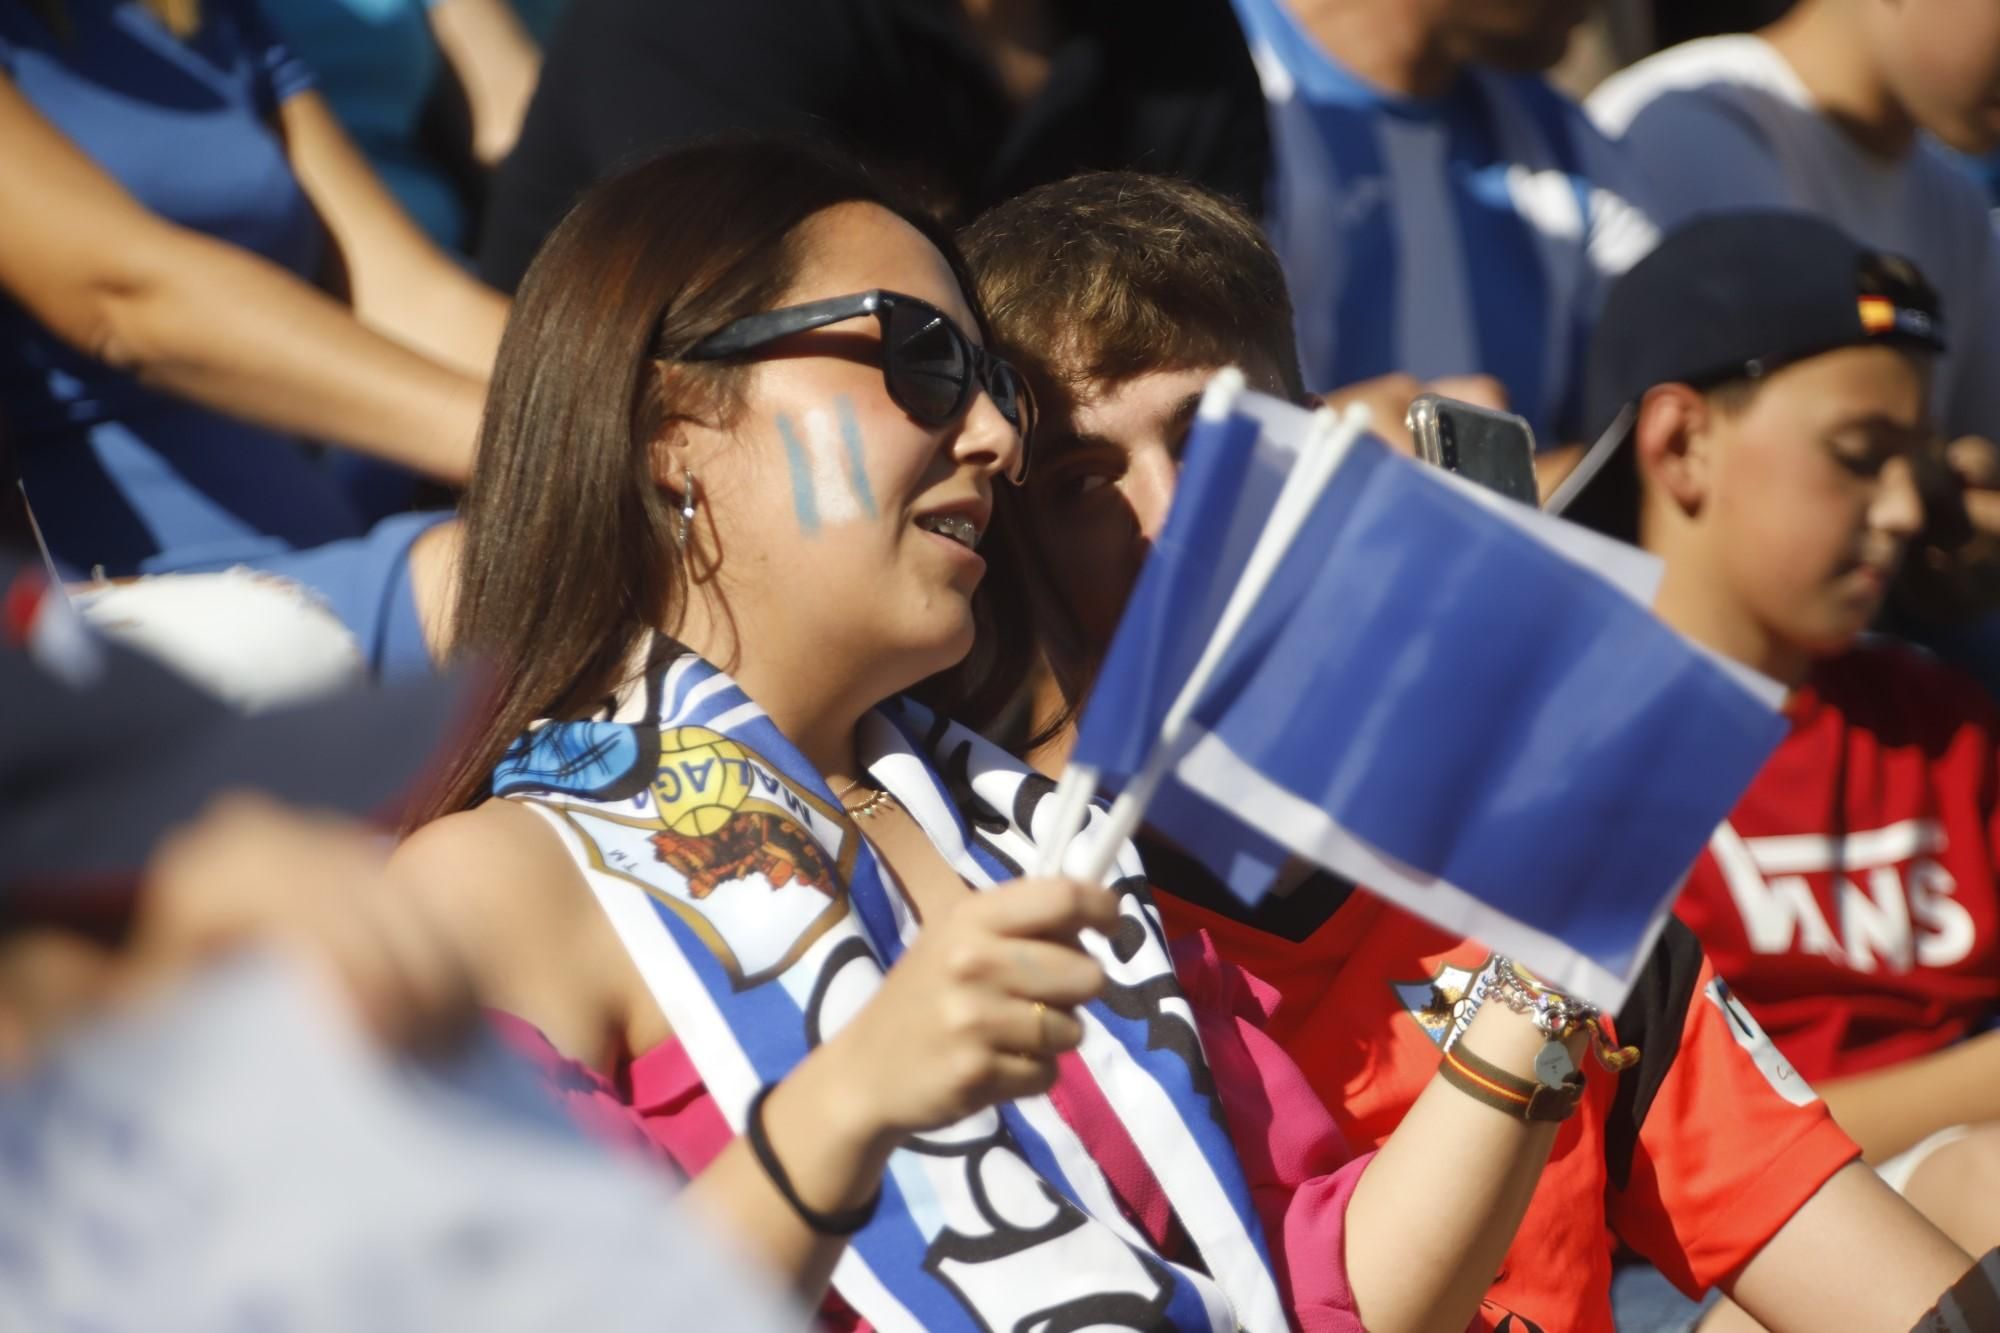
1462,704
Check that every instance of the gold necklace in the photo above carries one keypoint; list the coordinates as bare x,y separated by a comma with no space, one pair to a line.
879,799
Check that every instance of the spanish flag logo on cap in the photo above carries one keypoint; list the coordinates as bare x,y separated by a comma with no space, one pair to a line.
1878,314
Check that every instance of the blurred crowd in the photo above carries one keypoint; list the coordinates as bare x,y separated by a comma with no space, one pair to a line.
548,546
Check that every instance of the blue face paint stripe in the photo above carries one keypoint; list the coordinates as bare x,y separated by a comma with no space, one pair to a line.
802,483
850,435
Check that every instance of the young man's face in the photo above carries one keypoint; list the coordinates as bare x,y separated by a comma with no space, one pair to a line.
1104,474
1806,497
1943,60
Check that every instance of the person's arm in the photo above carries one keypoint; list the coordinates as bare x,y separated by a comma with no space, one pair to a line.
1726,1170
1355,1240
210,321
1857,1255
541,949
943,1038
1414,1266
1946,586
398,282
1888,1110
497,63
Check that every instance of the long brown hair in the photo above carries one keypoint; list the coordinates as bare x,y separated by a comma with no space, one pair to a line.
568,561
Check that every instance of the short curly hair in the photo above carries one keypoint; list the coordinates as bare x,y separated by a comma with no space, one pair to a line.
1113,274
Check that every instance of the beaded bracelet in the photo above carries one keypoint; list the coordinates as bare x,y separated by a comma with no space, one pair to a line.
1556,1014
844,1223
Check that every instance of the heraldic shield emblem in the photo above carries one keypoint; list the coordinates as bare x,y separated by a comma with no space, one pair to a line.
729,847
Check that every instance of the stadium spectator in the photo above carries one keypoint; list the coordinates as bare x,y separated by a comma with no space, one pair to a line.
1439,207
379,65
85,910
689,437
1825,110
971,101
160,221
1121,296
433,93
155,1175
1774,373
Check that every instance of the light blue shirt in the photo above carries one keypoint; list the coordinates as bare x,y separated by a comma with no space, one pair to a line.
376,62
120,474
365,582
1471,233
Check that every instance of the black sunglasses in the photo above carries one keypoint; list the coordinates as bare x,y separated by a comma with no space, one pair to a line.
930,368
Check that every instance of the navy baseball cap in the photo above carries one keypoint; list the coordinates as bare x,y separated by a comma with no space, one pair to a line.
1731,296
103,751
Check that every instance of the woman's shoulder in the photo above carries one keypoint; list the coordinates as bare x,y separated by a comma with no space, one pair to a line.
502,881
498,842
500,876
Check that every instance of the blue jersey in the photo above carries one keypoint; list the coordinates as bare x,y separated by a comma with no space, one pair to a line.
363,581
120,473
376,62
1470,233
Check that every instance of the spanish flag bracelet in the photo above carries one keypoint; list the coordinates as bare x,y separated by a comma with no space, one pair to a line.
1553,1098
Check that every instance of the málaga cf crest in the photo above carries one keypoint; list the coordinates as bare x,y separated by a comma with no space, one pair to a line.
731,848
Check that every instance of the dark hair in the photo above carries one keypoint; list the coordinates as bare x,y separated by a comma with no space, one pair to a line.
568,562
1113,274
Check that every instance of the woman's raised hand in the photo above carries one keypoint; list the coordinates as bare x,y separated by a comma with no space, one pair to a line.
975,1013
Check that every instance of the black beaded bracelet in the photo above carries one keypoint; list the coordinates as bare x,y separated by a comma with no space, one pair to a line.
826,1224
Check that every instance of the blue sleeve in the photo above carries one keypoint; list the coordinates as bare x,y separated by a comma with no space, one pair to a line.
365,582
1698,154
280,74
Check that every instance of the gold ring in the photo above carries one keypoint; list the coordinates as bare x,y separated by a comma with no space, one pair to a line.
1041,1027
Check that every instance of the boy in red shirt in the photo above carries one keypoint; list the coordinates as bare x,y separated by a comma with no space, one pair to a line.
1123,294
1769,381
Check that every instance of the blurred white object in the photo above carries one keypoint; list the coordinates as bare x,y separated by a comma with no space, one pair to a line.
239,1157
254,640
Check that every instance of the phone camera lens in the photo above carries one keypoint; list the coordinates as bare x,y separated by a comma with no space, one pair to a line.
1448,444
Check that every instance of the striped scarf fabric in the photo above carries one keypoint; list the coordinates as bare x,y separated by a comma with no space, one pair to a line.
762,921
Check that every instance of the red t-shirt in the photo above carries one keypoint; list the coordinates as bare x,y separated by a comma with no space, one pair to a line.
1850,897
1695,1158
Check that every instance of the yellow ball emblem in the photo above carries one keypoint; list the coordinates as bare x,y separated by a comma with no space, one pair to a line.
704,778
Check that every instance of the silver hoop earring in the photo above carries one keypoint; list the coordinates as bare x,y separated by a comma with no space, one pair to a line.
686,523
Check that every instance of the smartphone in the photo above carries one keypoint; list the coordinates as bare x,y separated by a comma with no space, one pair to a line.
1494,449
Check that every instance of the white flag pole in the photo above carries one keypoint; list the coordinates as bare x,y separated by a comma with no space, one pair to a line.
1072,803
1322,453
1078,785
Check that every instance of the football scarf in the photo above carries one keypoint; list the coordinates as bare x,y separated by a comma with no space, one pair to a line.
761,921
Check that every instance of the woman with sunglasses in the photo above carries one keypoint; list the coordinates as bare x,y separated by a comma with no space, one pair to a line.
734,888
